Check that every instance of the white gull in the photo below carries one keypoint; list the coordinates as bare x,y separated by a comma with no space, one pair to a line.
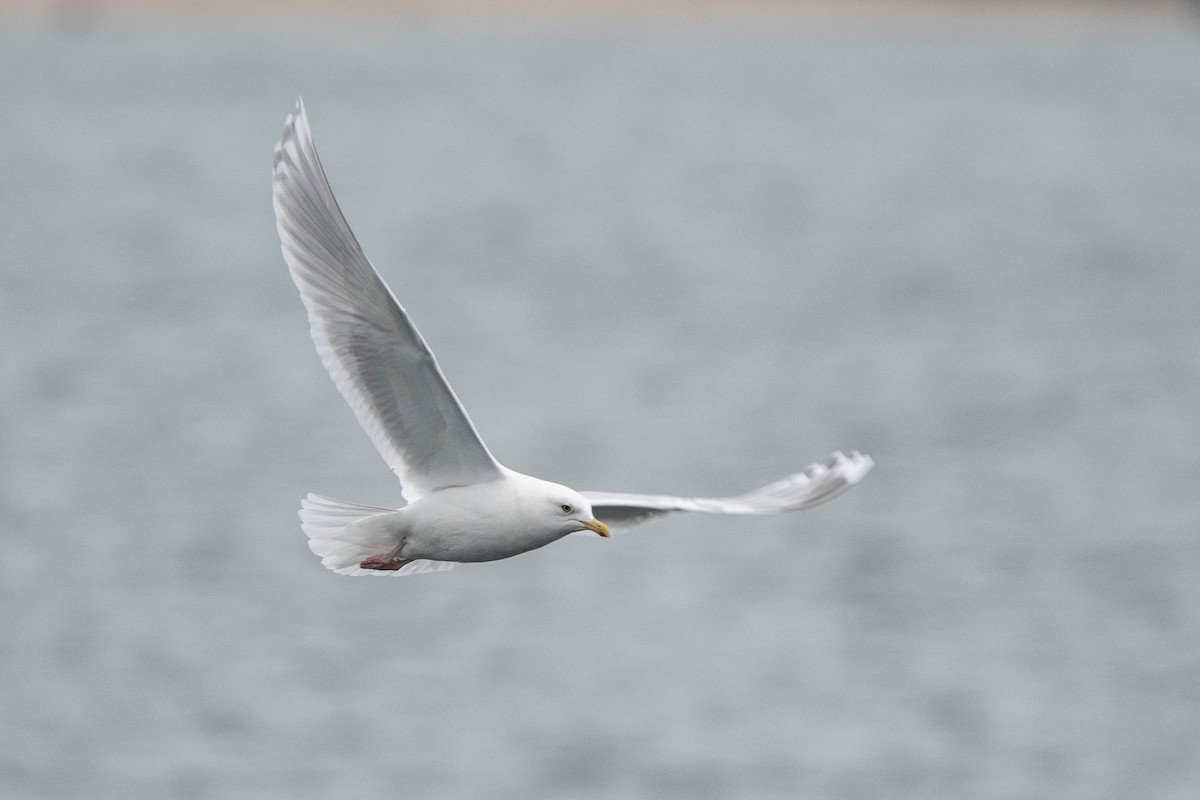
462,504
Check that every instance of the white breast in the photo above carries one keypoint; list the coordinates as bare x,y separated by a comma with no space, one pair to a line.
483,522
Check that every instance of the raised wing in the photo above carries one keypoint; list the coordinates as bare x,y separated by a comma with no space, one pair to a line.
374,353
816,484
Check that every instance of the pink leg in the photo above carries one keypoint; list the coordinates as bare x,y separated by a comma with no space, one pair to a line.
387,561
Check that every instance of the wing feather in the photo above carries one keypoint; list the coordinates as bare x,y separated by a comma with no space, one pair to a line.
815,485
374,353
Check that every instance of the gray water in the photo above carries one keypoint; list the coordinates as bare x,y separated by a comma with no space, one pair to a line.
659,259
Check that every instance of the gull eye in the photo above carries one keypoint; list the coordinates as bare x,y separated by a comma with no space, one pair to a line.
566,509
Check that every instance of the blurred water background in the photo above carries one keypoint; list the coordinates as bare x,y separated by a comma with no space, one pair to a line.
670,258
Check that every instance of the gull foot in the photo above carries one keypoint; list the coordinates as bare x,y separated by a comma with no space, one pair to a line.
385,562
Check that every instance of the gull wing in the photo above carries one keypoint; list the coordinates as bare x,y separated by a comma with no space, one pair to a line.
374,353
816,484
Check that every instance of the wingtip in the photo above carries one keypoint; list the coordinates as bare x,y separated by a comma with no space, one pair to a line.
299,117
294,141
296,120
853,467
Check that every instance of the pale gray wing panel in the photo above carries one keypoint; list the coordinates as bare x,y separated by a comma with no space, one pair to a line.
817,484
374,353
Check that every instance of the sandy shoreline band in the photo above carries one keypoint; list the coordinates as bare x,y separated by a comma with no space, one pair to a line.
898,11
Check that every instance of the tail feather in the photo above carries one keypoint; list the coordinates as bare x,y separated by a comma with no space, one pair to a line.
342,545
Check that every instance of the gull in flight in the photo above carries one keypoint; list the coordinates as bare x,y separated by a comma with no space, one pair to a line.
462,504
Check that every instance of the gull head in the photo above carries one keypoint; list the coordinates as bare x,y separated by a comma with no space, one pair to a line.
574,513
558,508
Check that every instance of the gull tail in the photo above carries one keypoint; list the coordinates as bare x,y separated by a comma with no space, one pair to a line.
336,535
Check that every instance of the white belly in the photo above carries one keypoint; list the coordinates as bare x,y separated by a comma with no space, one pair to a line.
475,523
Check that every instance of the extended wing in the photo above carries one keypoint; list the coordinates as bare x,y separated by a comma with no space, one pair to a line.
374,353
816,484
